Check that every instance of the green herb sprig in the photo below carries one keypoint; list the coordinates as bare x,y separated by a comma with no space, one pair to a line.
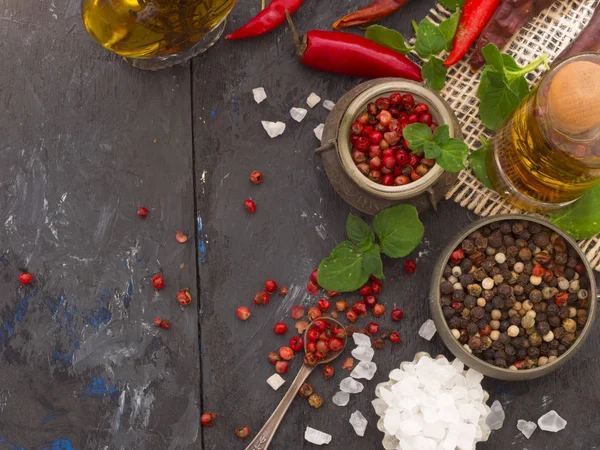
477,161
449,153
503,85
581,219
430,41
350,264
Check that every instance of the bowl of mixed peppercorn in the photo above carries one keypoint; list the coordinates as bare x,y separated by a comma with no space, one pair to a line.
513,297
370,163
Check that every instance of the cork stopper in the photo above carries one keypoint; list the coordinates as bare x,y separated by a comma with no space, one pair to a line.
574,98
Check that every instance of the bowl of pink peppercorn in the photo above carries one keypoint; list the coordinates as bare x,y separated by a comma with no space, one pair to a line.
365,155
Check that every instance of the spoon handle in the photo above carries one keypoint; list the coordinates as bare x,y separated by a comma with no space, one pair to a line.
264,436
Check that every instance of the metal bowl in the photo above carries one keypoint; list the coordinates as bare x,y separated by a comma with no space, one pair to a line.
349,182
478,364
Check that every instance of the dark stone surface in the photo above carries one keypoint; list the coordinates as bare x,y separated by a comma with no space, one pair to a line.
80,365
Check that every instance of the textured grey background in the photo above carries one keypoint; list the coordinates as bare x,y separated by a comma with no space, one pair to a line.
80,368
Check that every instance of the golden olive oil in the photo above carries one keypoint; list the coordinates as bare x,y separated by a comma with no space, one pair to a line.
537,160
150,28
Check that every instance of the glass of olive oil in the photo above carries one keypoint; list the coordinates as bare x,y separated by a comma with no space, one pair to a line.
547,153
154,34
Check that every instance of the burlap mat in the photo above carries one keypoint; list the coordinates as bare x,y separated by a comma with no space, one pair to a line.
550,32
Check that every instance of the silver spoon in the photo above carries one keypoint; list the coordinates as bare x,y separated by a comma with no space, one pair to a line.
266,433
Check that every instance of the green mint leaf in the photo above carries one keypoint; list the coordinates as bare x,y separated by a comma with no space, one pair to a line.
454,155
434,73
493,57
342,270
448,28
358,230
389,38
497,99
415,26
430,40
441,135
452,4
399,230
417,134
477,161
432,150
372,263
581,219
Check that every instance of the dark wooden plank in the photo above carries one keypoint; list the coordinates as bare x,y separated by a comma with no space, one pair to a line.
80,364
299,219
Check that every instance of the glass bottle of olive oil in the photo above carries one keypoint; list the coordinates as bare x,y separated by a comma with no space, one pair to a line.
547,153
152,34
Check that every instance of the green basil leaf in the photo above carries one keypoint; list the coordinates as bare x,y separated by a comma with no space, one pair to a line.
477,161
441,135
452,4
373,264
399,230
448,28
434,73
581,219
417,134
342,270
497,99
389,38
430,40
454,155
432,150
493,57
358,230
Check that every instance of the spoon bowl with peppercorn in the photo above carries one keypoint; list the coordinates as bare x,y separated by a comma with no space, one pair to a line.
324,340
513,297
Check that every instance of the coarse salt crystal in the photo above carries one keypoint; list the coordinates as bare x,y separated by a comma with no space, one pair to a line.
427,330
363,353
361,339
275,381
313,100
328,104
273,129
364,370
319,131
259,94
316,437
341,398
359,423
526,427
298,114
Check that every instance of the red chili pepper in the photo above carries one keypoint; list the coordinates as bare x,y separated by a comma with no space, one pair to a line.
375,11
475,16
349,54
266,20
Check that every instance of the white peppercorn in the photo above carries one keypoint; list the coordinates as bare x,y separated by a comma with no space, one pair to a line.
496,314
457,286
500,258
513,367
456,271
572,312
467,348
498,279
563,284
542,360
552,358
455,333
535,280
569,325
549,336
522,312
481,302
452,279
582,294
518,267
517,306
495,335
531,313
494,324
488,283
513,331
527,305
526,322
512,313
574,286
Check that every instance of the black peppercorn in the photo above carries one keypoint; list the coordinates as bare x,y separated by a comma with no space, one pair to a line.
535,296
554,321
466,279
454,322
543,328
467,246
447,271
472,329
448,312
446,287
553,344
551,310
477,313
559,333
510,350
512,251
495,240
445,300
561,349
521,353
522,280
488,353
458,296
533,352
486,230
466,265
518,342
505,227
553,352
563,312
470,301
569,273
480,274
581,321
515,320
504,325
541,239
488,265
475,344
463,323
544,348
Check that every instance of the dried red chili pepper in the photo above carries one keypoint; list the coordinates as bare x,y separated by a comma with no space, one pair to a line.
266,20
508,19
375,11
475,16
349,54
587,41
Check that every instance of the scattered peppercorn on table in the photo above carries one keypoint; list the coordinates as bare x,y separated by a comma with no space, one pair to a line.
129,263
